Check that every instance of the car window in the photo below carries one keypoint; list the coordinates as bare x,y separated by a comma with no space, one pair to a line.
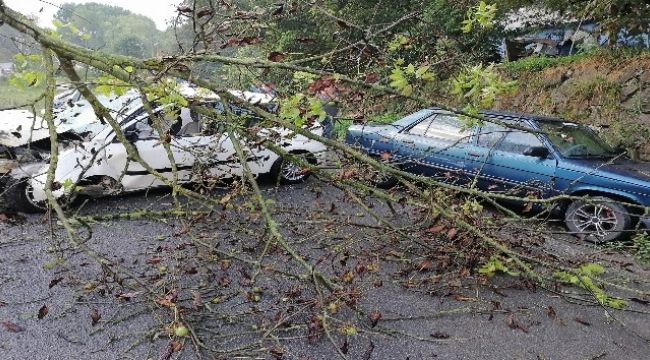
191,126
517,141
442,127
491,134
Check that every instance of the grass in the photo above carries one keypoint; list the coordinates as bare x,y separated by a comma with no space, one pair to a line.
538,63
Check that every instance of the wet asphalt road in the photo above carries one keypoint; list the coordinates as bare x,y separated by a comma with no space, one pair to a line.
471,322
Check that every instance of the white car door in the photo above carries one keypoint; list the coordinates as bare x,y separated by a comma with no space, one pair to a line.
132,175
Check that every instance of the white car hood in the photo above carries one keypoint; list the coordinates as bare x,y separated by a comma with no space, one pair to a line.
21,127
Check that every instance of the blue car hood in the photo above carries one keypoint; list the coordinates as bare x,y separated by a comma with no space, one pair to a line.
624,170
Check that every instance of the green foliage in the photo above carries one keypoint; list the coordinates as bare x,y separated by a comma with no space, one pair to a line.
496,264
107,85
539,63
166,92
478,86
584,278
29,71
11,96
642,247
482,15
108,28
398,42
403,77
471,207
300,108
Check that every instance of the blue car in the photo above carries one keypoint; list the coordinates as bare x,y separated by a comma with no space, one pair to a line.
533,156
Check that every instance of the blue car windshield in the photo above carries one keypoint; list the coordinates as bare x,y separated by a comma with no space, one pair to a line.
576,141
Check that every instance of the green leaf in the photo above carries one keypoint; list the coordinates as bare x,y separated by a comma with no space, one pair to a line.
421,71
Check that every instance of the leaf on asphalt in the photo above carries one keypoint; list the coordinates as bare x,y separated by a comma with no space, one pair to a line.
128,296
374,316
345,348
440,335
43,311
315,328
95,316
11,327
277,352
582,321
347,277
11,218
155,260
175,346
168,301
197,300
551,313
54,282
514,324
425,265
367,355
360,268
436,229
461,297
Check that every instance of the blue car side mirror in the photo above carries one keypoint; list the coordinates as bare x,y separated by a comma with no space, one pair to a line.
537,151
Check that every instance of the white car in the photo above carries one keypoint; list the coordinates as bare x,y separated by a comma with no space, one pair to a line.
24,136
101,165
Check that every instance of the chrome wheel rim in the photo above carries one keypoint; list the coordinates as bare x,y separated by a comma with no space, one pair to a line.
29,194
595,219
292,172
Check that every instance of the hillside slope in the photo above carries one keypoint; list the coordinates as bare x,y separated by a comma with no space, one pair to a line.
610,91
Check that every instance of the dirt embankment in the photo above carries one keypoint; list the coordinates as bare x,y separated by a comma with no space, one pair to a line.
609,92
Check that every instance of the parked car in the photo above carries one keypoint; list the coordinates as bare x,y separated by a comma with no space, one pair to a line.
25,137
101,166
545,158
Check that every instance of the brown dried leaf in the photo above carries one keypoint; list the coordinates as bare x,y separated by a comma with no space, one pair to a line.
277,352
128,296
440,335
582,321
42,312
54,282
95,316
168,301
426,265
345,348
515,324
551,313
372,77
11,327
374,317
347,277
436,229
198,301
277,56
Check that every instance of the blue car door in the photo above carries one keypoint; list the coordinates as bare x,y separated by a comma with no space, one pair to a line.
501,160
436,146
